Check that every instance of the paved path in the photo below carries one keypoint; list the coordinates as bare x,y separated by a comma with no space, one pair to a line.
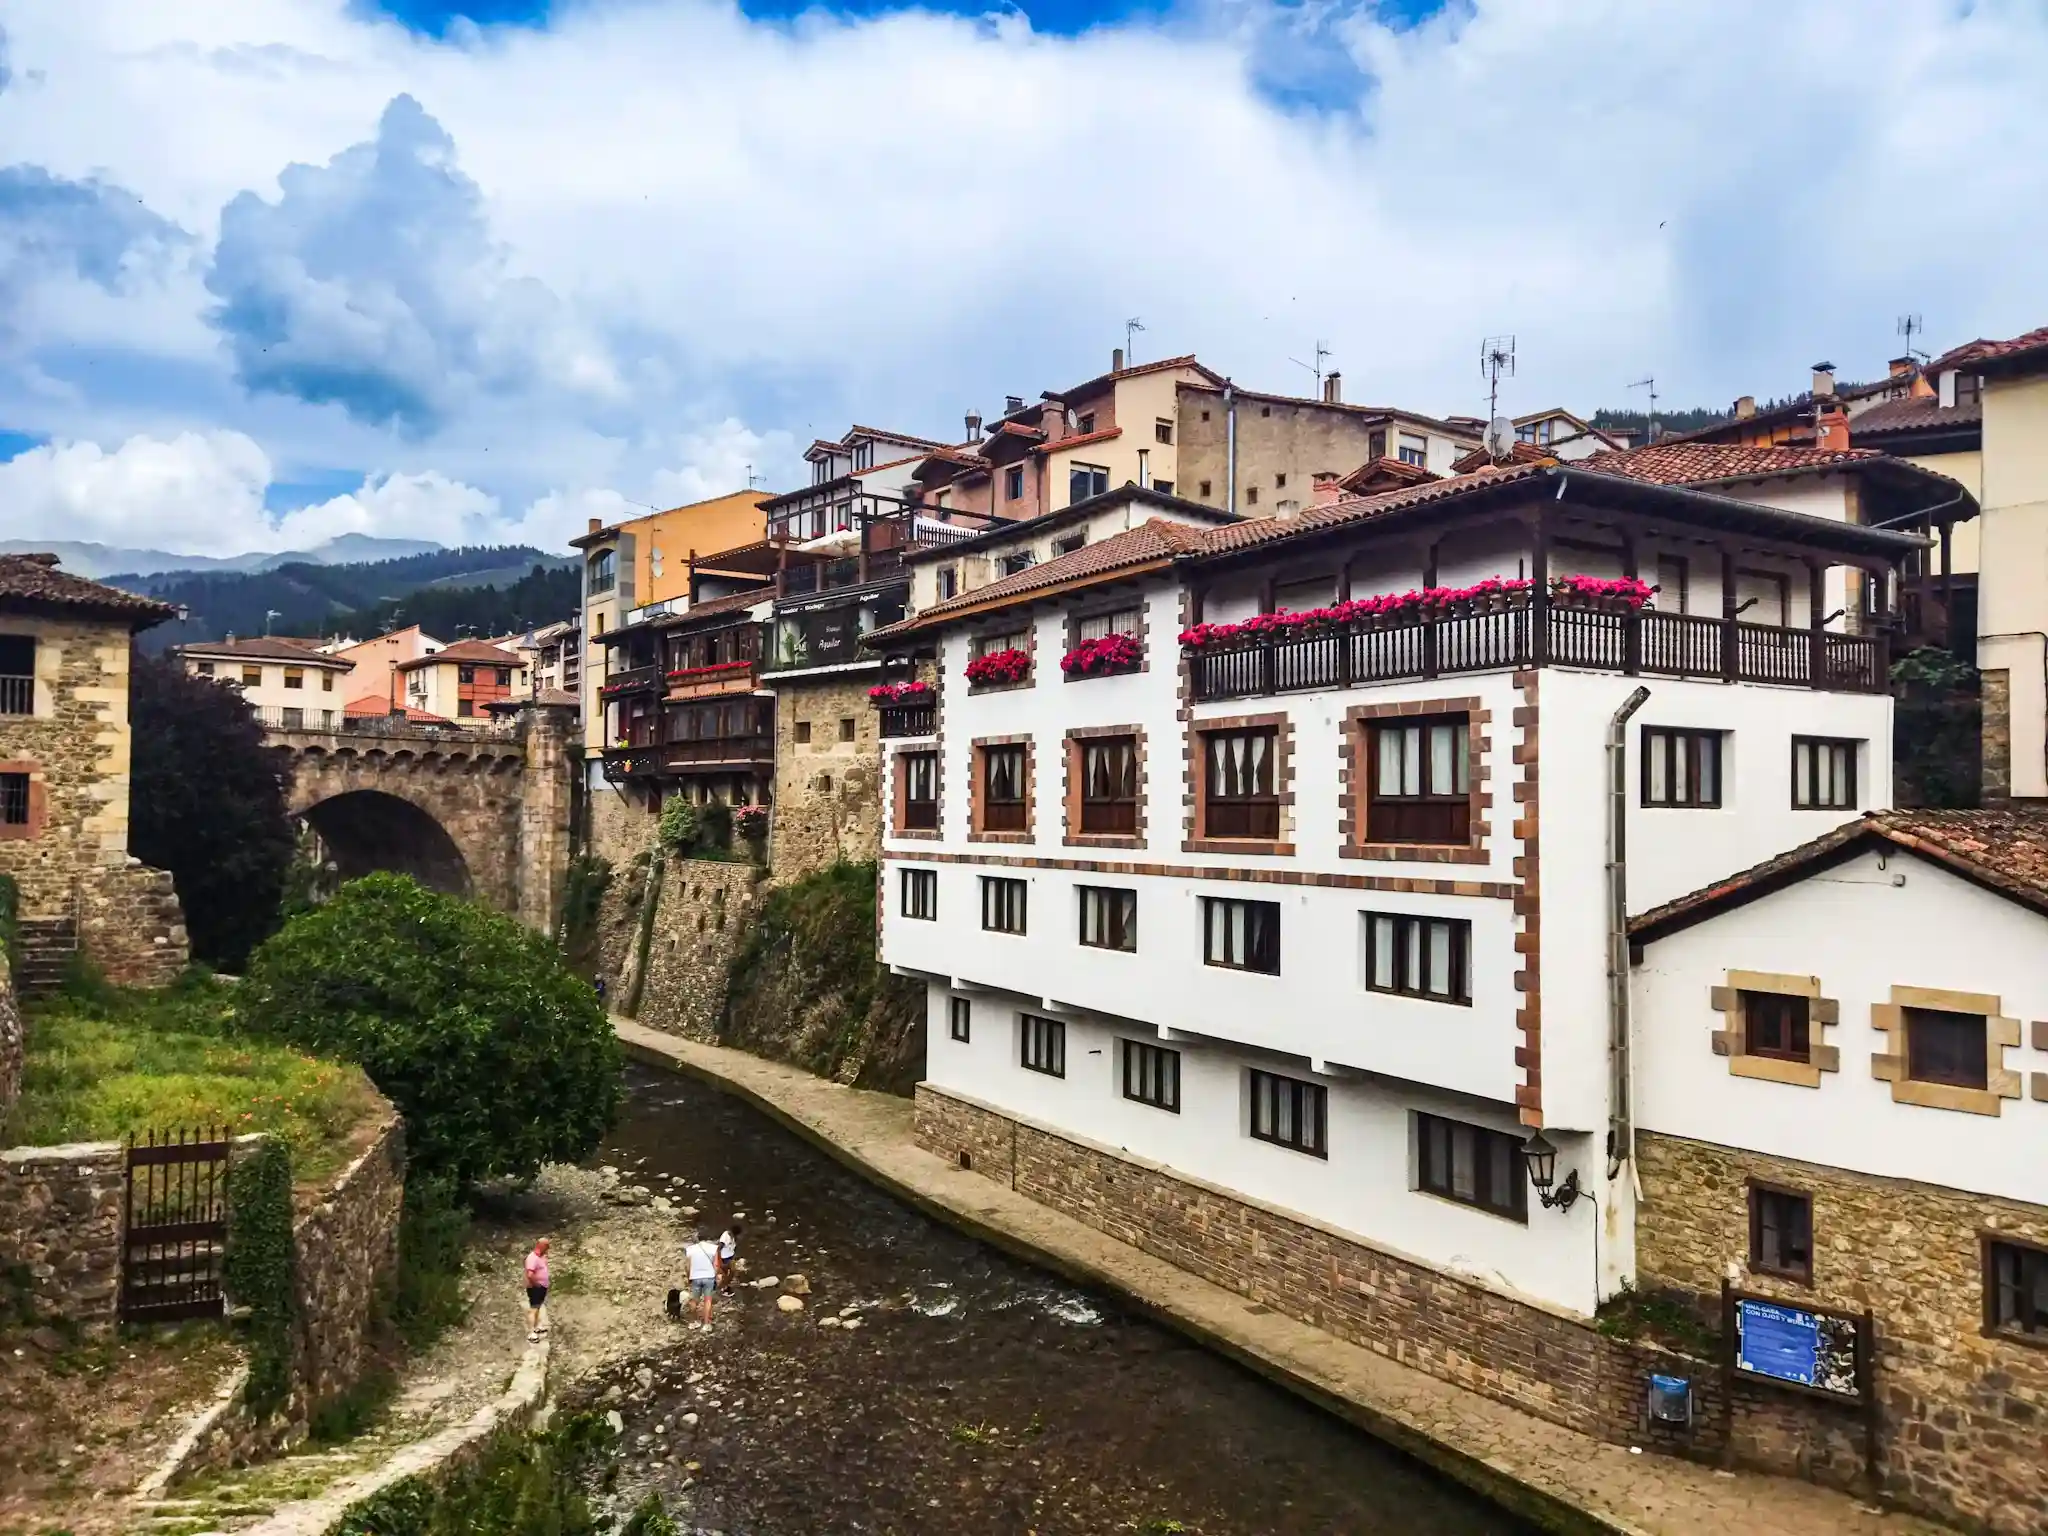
1563,1480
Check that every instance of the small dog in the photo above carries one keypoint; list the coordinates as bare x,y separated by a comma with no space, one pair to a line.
674,1309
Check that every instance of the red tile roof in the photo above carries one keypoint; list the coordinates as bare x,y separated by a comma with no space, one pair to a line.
1358,509
1922,413
2004,850
1079,440
1384,474
370,707
265,648
1520,453
465,651
1690,463
2014,349
33,581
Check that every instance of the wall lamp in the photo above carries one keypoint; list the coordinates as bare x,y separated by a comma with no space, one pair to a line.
1540,1157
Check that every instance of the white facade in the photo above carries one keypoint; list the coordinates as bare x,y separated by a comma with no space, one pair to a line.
284,688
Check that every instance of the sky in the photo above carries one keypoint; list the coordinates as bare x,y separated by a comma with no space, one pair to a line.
277,270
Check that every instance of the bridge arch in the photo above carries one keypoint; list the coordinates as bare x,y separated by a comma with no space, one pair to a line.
362,830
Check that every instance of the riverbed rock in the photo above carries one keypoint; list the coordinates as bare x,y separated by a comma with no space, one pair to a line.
789,1303
690,1420
828,1322
767,1283
849,1322
796,1285
663,1204
614,1423
645,1378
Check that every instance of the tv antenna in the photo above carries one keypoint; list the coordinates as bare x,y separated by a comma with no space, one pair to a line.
268,615
1650,383
750,476
1131,328
1496,362
1316,368
1909,327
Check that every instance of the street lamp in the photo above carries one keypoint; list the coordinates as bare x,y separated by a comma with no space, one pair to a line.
1540,1157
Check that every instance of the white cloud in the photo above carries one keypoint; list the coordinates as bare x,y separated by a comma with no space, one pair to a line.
747,234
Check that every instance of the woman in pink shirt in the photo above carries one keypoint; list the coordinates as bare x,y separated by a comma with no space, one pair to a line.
537,1290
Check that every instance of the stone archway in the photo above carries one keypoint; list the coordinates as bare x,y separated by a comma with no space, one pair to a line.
362,830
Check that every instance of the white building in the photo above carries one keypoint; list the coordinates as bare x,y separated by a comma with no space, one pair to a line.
1298,923
289,684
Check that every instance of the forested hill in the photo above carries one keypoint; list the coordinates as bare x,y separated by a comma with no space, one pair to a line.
479,590
1668,422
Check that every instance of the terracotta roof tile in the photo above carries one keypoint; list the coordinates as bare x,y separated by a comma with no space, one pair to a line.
1357,509
1981,351
370,707
34,580
1079,440
265,648
1924,413
465,650
1386,474
1691,463
1520,453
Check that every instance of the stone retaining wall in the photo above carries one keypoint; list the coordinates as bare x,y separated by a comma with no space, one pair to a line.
705,907
131,925
13,1042
61,1222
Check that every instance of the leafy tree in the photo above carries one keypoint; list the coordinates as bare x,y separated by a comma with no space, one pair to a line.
498,1056
207,802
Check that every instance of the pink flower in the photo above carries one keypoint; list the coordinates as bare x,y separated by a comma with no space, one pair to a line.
1100,657
999,667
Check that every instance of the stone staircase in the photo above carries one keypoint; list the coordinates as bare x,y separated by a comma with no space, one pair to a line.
44,950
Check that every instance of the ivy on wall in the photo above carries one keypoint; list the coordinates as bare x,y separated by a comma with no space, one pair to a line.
260,1268
583,888
650,902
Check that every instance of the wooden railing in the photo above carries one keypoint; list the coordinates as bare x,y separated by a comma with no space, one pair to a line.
909,720
1659,644
633,680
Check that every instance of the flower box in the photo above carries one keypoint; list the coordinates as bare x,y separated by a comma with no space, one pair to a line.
885,694
1493,595
999,669
1623,594
1104,657
684,674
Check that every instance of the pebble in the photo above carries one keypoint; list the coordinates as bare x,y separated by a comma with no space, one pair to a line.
690,1419
614,1423
797,1285
828,1322
789,1303
645,1378
850,1322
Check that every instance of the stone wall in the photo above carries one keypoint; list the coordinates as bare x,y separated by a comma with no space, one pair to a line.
1995,685
704,910
61,1221
13,1043
828,800
132,926
1964,1420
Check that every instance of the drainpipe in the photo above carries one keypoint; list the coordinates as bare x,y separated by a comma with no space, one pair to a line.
1621,1126
1230,447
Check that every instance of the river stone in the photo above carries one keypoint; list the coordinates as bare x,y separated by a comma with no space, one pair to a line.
663,1204
767,1283
690,1419
828,1322
614,1393
688,1213
789,1303
849,1322
797,1285
614,1423
645,1378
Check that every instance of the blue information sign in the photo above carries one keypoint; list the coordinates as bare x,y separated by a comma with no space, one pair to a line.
1808,1349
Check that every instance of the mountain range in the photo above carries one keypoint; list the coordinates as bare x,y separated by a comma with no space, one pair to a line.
99,561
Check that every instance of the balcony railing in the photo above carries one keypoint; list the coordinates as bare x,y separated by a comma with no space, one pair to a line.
1632,642
709,682
909,720
17,695
647,679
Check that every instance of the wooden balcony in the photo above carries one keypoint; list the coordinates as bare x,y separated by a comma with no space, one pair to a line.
713,681
1645,642
909,720
645,679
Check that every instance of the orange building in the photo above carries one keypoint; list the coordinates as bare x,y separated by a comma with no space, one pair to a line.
458,682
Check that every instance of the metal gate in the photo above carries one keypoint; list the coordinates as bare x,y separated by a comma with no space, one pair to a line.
177,1225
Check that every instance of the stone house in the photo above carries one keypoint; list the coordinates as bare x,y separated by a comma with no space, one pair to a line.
65,644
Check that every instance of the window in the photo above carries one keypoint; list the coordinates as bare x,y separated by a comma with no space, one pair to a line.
1151,1075
1099,626
13,799
465,707
1418,781
1085,423
1419,956
1162,430
1823,774
1070,543
846,728
949,581
604,571
1290,1113
252,677
1002,904
1163,487
921,893
1239,776
1243,935
205,670
502,676
1280,482
1012,565
1671,584
327,682
1085,480
2016,1290
1776,1024
1948,1048
1969,388
294,677
1251,495
1205,489
1780,1233
1376,445
1003,807
292,719
1013,483
326,719
1109,785
1471,1165
1045,1045
959,1018
1681,768
18,674
803,733
1414,450
921,791
1009,640
1109,918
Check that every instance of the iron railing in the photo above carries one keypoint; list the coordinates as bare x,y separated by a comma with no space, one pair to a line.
647,679
176,1223
17,695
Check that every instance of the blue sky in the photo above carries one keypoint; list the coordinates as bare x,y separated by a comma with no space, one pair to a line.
280,270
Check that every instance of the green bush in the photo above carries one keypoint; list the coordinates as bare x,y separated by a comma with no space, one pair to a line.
522,1485
680,826
583,891
259,1267
432,1233
495,1052
714,822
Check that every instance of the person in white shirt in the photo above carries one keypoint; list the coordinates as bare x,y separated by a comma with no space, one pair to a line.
728,1250
703,1261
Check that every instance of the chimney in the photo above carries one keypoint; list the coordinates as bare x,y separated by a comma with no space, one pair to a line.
1900,365
596,523
1333,388
1831,431
1745,407
1923,387
1326,489
1823,380
974,426
1116,359
1012,404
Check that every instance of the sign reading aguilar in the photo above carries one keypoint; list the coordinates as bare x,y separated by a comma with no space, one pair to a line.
1792,1344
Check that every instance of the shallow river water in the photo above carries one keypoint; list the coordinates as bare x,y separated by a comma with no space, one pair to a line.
971,1393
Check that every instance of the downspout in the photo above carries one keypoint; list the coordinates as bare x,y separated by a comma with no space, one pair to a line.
1621,1122
1230,446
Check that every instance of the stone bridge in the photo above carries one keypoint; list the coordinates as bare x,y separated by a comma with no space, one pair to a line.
476,811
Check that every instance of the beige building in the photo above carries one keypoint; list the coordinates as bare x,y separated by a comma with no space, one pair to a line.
460,681
288,683
65,747
373,660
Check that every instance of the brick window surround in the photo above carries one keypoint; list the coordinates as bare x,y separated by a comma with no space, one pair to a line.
1354,776
1095,610
977,776
1028,627
38,802
1195,800
899,799
1732,1039
1071,796
1890,1065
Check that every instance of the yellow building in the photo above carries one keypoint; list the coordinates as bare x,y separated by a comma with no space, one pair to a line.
289,684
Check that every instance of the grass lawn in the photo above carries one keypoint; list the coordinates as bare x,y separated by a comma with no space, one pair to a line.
103,1063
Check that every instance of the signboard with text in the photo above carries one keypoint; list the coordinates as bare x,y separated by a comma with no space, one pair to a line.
1799,1346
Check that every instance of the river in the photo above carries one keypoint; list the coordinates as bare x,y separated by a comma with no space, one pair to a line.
967,1392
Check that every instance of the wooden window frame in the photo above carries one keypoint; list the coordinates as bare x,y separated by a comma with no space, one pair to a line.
1051,1042
1454,804
1013,482
1689,739
1251,805
1732,1039
1311,1112
2033,1254
1128,923
1891,1064
1402,985
1758,1005
1015,815
918,813
1815,746
1511,1204
960,1019
1759,1193
1020,890
1928,1022
1156,1089
924,907
1247,965
1114,815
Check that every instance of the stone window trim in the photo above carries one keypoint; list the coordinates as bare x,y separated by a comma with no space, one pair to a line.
976,748
1195,799
1987,1238
2000,1034
1527,829
1070,767
1094,609
2040,1079
1822,1014
1752,1187
1027,623
1354,774
38,801
899,800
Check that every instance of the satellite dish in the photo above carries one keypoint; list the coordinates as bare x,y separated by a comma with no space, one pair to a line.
1500,438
